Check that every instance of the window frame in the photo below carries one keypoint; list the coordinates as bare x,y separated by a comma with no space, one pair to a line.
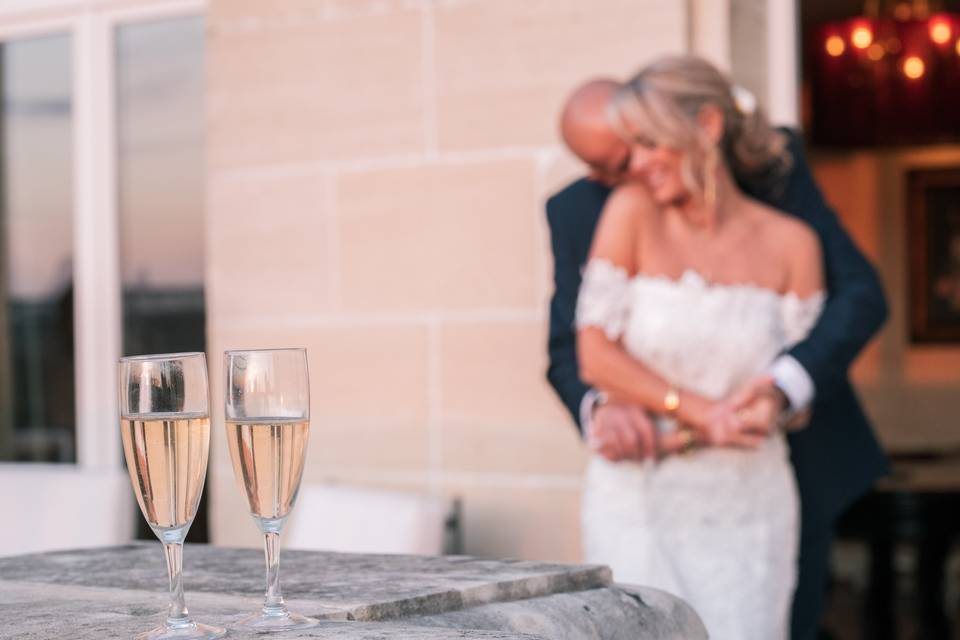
93,25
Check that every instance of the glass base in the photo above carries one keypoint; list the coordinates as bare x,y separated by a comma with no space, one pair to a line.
282,620
190,631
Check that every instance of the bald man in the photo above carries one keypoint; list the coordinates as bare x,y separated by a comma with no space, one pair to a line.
836,458
586,132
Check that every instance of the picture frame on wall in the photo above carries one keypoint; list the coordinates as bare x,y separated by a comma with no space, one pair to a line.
933,231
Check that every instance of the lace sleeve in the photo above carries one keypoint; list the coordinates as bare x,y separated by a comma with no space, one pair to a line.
602,301
800,315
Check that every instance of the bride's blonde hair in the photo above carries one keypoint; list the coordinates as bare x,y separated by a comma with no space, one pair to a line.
662,102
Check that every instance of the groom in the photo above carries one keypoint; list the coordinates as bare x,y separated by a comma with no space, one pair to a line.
836,458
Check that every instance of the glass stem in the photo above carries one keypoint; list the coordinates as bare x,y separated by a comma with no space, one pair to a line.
273,602
177,616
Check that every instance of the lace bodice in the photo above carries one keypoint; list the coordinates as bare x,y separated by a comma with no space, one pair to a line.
718,526
705,337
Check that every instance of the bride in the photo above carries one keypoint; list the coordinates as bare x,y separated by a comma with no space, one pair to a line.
691,289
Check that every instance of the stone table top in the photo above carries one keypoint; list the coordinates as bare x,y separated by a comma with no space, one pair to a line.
117,592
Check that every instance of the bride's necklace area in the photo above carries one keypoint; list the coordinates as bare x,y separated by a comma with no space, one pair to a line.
704,251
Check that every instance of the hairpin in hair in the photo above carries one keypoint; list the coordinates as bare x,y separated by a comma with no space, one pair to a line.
746,102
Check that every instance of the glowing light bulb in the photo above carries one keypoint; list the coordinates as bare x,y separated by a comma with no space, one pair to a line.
835,46
913,67
958,47
875,51
861,37
940,30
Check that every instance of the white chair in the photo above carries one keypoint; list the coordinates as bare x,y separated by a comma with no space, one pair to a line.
360,520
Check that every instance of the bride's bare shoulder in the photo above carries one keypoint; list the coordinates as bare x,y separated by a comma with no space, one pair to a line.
797,243
630,203
621,224
632,194
781,227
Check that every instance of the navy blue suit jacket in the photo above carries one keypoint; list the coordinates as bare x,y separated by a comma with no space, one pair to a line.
836,458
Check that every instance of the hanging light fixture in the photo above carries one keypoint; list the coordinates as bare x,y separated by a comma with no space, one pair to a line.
913,67
941,29
888,76
835,46
861,34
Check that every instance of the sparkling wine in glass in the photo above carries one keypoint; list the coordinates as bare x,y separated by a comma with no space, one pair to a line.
165,427
267,409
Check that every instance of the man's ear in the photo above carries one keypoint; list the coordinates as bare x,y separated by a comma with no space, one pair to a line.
711,123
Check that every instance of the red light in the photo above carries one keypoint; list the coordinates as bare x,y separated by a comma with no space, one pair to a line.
835,46
940,30
913,67
862,36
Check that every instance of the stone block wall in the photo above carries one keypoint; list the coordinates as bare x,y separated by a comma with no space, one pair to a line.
377,171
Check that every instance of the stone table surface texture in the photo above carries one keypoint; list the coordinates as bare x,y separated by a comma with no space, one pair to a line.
117,592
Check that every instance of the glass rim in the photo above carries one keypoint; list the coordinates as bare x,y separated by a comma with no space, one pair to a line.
183,355
231,352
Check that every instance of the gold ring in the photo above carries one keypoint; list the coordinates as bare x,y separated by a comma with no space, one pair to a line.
685,436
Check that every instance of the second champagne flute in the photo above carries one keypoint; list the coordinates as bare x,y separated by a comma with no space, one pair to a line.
267,410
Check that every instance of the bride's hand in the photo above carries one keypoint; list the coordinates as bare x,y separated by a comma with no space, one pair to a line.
728,427
759,404
721,423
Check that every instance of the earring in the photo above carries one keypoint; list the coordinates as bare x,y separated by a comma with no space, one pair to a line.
710,178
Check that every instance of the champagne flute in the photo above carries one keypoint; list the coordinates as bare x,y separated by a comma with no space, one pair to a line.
268,424
165,427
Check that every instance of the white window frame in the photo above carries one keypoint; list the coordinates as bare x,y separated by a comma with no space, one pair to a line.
783,62
96,272
710,33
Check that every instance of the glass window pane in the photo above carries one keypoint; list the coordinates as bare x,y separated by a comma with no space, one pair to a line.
36,317
160,88
160,123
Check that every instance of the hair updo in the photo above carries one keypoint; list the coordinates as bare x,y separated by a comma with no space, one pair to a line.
662,103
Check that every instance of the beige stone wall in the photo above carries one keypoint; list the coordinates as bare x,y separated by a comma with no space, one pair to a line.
377,173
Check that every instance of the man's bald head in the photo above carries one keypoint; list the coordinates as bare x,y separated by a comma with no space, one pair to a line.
588,134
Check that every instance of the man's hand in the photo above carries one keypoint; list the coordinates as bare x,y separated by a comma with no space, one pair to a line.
758,405
622,432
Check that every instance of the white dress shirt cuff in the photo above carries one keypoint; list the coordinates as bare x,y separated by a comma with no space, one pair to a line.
790,376
586,410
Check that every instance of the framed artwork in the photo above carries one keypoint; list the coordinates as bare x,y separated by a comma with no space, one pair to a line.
933,230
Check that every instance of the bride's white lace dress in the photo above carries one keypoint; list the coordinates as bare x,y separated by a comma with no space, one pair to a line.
718,527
